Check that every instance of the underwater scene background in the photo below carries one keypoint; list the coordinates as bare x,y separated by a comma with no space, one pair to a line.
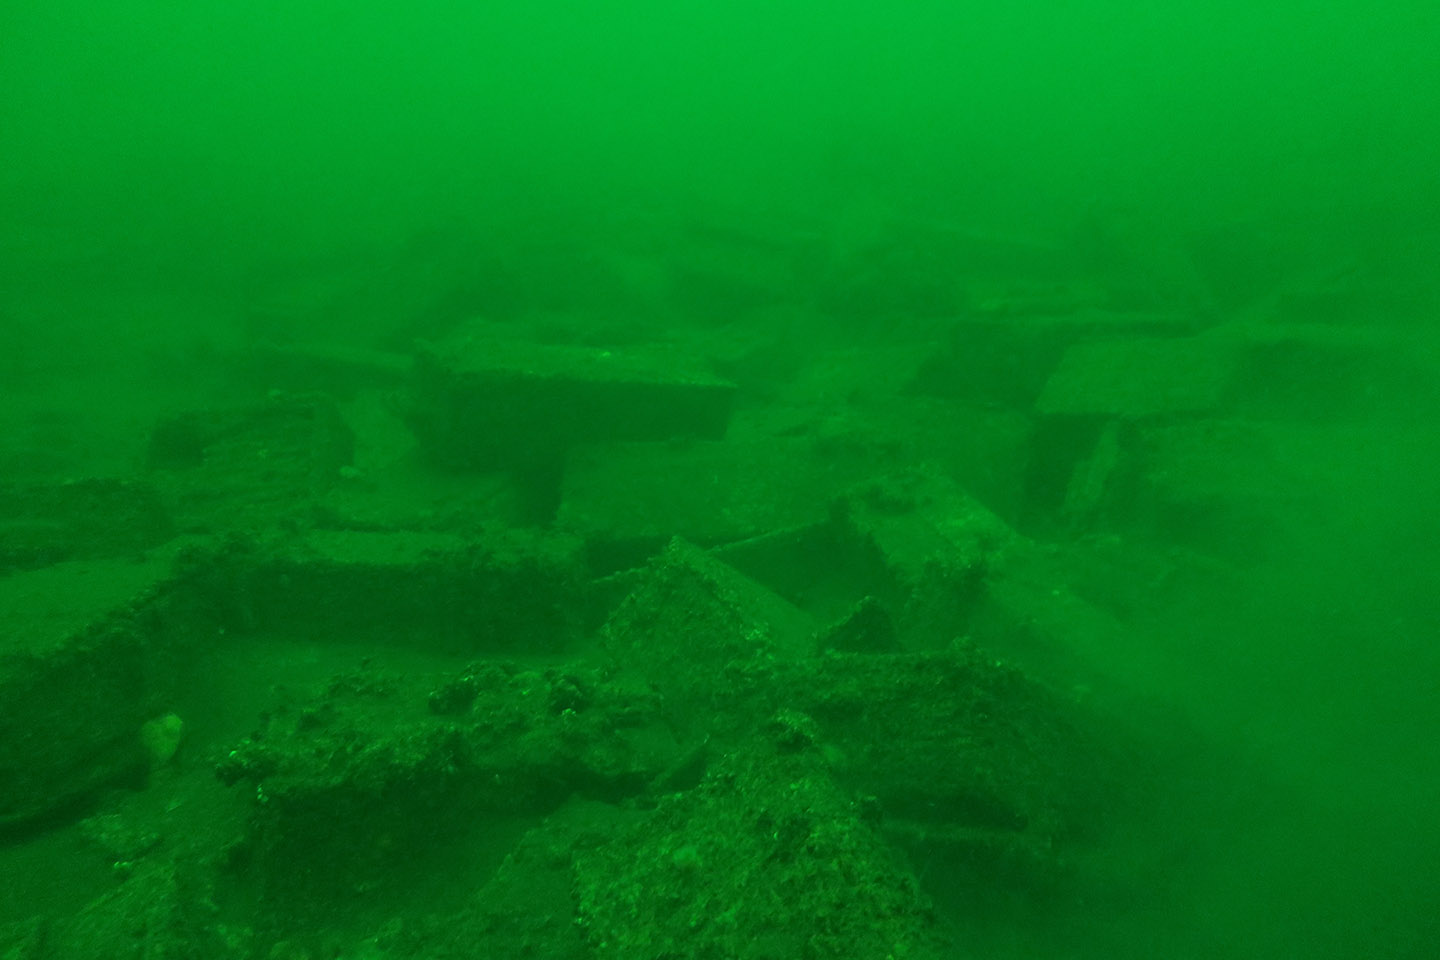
660,480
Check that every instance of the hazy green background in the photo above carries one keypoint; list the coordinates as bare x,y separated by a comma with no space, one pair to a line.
264,124
178,144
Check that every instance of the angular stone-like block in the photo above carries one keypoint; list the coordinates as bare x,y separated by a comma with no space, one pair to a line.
766,857
954,737
627,500
383,773
933,544
996,357
689,616
510,592
95,518
947,568
1317,373
1145,377
335,368
250,468
498,404
80,673
163,909
1246,490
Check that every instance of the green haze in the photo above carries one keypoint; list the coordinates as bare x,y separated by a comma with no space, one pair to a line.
247,127
185,184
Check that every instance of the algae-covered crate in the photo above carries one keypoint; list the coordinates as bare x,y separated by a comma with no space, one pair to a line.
506,592
767,858
628,499
84,519
379,783
688,616
250,467
500,404
82,670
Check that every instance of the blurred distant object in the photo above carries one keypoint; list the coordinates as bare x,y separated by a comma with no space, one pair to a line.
41,524
1141,260
250,468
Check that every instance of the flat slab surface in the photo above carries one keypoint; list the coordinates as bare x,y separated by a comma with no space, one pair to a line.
44,610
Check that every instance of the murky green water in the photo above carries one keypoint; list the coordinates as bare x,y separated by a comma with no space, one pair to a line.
393,341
